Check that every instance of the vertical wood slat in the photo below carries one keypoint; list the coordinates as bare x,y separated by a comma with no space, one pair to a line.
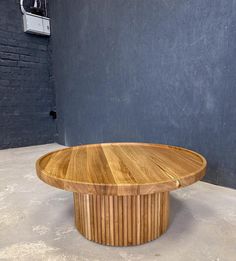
120,223
125,221
116,218
91,216
87,205
107,219
103,220
142,216
112,222
121,220
85,215
82,214
145,236
129,214
134,220
138,212
159,214
99,221
95,222
156,196
152,216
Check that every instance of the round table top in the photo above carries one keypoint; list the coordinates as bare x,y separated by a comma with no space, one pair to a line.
121,168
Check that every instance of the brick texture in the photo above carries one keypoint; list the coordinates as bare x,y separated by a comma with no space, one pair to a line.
26,83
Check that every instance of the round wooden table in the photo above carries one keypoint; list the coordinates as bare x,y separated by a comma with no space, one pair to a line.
121,190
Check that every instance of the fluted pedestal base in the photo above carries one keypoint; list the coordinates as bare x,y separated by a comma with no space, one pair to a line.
121,220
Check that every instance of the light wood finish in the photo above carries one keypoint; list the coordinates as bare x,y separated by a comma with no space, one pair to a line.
121,168
121,220
121,190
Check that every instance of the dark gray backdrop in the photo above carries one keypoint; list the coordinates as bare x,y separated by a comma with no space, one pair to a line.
26,90
159,71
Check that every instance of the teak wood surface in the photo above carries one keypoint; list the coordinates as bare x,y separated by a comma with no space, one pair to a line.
121,190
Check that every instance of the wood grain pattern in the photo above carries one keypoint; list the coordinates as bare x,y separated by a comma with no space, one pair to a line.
121,168
127,229
121,190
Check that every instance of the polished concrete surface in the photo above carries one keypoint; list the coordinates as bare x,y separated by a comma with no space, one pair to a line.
37,222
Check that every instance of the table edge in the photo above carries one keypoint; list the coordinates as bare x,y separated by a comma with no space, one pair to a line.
122,189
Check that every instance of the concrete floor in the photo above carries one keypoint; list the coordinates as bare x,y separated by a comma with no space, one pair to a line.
36,220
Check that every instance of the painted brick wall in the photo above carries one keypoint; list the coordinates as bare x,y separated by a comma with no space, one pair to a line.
26,85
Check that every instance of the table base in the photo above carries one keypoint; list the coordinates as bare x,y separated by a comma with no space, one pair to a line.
121,220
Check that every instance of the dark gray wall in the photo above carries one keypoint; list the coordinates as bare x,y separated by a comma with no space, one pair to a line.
26,90
149,70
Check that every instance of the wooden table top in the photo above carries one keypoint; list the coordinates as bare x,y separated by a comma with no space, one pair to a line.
121,168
